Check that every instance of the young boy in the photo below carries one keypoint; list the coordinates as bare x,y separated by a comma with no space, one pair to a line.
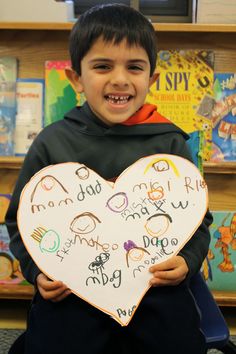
113,53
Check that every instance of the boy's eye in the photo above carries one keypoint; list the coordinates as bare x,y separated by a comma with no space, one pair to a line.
135,68
102,67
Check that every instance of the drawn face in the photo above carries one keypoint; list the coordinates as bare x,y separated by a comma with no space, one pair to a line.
136,254
118,202
47,183
50,242
161,166
83,224
157,225
156,194
82,172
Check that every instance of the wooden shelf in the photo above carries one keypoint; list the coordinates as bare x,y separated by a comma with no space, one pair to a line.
36,26
14,162
26,292
159,27
13,291
193,27
220,167
11,162
225,298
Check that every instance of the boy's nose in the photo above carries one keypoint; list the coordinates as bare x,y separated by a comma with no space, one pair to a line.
120,78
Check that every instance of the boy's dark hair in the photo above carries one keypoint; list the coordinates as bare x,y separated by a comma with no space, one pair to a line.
112,22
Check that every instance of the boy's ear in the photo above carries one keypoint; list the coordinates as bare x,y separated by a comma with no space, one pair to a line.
74,79
153,79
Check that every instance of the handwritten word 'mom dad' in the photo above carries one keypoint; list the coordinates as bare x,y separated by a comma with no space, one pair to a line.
86,191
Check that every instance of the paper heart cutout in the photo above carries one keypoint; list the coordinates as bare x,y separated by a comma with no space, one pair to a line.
100,238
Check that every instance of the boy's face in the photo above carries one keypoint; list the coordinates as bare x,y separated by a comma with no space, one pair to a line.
115,80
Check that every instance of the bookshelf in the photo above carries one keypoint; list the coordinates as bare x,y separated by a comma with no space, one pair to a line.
34,43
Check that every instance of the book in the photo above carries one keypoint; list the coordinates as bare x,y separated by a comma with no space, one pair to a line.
219,269
29,113
10,272
60,96
4,204
194,143
184,91
224,118
8,76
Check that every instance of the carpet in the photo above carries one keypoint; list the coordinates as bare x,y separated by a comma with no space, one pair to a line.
8,336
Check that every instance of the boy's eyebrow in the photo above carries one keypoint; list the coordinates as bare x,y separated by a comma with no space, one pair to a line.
138,61
107,60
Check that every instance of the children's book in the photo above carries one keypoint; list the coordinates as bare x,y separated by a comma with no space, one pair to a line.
4,204
8,76
184,91
195,145
219,269
29,115
10,272
60,96
224,118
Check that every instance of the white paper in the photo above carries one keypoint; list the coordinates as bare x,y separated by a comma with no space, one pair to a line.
101,240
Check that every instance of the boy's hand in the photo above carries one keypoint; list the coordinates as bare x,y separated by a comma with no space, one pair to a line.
171,272
51,290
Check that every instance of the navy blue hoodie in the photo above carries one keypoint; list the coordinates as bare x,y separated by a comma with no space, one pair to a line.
108,150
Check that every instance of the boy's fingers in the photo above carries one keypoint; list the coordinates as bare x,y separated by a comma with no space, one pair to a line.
51,290
62,296
166,275
53,294
163,282
169,265
52,285
48,284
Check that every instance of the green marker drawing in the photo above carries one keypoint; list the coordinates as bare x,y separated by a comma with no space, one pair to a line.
49,240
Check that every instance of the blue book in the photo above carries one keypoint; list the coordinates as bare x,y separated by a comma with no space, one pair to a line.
8,76
224,118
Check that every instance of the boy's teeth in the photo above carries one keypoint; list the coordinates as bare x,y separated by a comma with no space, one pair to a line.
118,99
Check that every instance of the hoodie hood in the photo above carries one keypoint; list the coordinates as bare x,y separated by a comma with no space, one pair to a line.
147,121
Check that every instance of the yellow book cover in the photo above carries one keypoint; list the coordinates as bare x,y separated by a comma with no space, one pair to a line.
184,91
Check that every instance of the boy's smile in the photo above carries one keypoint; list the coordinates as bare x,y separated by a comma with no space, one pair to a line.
115,79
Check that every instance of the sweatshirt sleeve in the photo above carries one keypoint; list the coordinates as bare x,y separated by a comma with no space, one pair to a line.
195,250
31,165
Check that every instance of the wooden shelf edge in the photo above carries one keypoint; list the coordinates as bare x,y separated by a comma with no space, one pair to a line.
12,291
193,27
159,27
66,26
225,298
11,162
26,292
15,162
220,167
